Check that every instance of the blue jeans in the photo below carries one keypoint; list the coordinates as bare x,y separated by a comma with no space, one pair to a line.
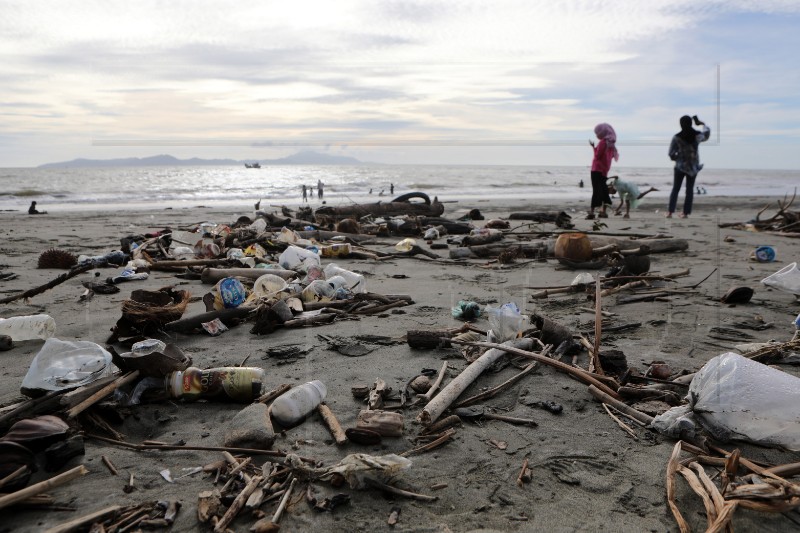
676,189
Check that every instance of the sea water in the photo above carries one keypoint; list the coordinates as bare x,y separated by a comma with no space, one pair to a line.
104,188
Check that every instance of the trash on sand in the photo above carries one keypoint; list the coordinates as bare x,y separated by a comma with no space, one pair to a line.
466,310
355,469
736,398
66,365
786,279
506,321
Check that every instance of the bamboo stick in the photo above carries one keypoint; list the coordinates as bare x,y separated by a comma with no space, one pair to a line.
90,518
332,423
102,393
38,488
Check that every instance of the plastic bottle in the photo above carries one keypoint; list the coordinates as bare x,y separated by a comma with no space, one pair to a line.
240,384
337,250
355,282
292,406
25,328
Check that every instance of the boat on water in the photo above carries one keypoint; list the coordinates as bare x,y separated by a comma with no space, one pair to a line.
252,165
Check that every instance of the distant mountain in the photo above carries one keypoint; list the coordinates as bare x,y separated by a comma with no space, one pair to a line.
300,158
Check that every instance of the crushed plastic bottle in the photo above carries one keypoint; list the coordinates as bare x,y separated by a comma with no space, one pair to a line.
29,327
292,406
355,282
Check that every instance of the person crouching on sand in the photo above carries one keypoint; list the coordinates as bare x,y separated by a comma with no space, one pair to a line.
604,153
628,194
33,211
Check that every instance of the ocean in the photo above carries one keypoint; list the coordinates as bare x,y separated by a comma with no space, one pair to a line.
120,188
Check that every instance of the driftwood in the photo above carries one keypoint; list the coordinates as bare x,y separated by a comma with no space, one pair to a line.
522,249
332,423
784,222
481,239
49,285
383,209
192,323
86,520
453,227
213,275
43,486
600,245
173,264
323,235
431,412
559,218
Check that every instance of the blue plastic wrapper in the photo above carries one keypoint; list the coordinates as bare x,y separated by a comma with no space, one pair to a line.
232,292
765,254
466,310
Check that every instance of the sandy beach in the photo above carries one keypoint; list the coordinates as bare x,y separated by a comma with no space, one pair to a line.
587,473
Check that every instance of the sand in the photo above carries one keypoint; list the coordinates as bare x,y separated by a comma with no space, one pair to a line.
587,473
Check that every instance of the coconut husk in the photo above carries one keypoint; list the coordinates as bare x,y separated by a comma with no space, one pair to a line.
147,312
37,433
12,457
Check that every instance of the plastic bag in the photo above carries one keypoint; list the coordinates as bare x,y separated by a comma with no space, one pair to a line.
405,245
356,468
296,258
506,321
786,279
735,398
466,310
67,364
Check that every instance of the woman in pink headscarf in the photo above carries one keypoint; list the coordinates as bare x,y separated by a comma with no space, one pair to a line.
604,153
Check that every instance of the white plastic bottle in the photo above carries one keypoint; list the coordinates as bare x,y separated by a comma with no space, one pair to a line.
355,282
25,328
292,406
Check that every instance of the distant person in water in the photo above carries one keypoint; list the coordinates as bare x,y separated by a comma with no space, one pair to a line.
320,187
580,184
391,188
305,194
33,211
684,151
628,194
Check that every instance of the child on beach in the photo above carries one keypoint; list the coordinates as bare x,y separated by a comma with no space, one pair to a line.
628,194
604,153
33,211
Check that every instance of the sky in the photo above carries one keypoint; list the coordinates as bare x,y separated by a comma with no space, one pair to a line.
398,81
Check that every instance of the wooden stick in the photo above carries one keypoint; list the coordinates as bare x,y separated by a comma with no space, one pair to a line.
522,472
447,435
400,492
625,408
428,395
49,285
495,390
453,390
13,475
109,465
672,468
598,321
271,395
621,424
578,373
102,393
237,505
90,518
250,451
333,425
38,488
277,516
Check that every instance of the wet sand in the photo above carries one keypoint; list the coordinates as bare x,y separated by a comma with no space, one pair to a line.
587,473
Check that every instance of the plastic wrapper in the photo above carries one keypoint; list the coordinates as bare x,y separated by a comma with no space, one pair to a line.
786,279
735,398
506,321
67,364
355,468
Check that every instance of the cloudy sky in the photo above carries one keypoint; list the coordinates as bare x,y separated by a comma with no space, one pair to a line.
398,81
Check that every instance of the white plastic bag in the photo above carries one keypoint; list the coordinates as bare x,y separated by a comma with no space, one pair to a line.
506,321
736,398
296,258
67,364
786,279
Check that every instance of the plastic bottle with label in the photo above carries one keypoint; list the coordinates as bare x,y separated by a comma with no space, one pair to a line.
239,384
25,328
292,406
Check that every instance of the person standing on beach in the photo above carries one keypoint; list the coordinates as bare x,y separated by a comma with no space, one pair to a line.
320,187
604,153
305,194
684,151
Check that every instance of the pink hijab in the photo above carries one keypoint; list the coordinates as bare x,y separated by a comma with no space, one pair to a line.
606,132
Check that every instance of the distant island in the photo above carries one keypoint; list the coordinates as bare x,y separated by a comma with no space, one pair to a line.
300,158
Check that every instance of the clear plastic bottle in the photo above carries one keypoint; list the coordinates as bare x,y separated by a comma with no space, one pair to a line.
292,406
25,328
355,282
240,384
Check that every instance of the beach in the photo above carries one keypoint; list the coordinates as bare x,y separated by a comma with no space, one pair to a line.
587,474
